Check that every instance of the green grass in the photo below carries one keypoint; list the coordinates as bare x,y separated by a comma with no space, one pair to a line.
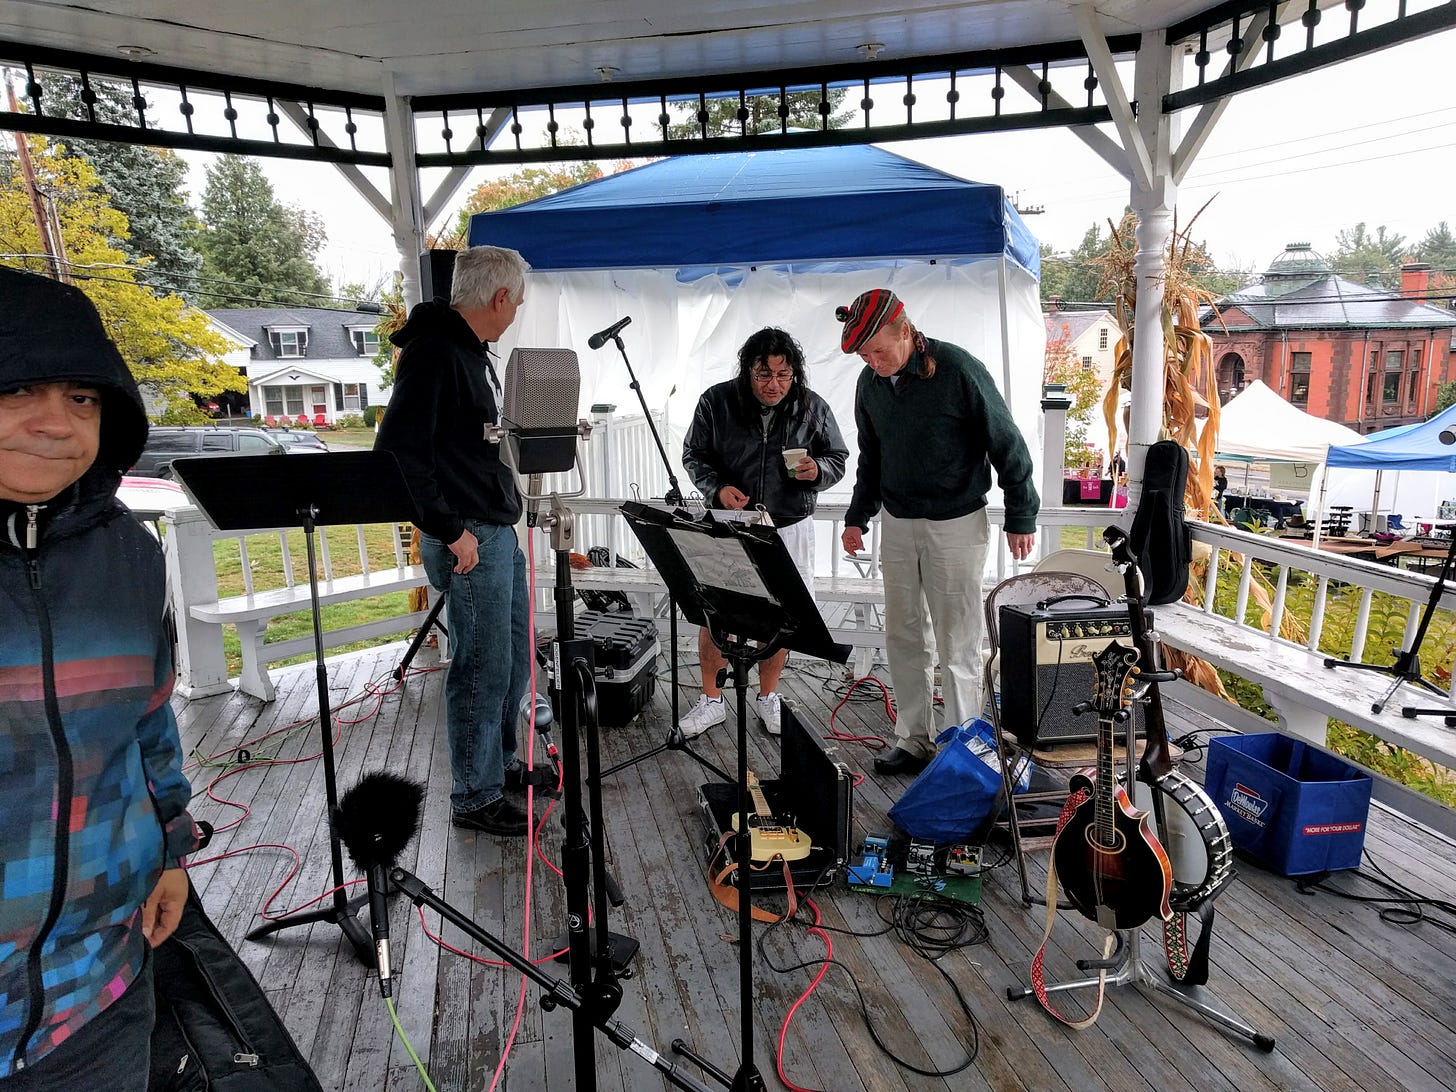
265,559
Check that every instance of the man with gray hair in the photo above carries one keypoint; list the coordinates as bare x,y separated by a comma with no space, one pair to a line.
445,392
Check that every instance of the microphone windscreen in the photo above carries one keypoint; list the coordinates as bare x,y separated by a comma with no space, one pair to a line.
377,818
542,389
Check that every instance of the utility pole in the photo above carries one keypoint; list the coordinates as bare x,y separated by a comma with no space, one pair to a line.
27,172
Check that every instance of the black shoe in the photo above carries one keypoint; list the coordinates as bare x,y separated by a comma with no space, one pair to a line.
900,761
499,817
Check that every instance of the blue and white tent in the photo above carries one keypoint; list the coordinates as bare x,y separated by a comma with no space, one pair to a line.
703,250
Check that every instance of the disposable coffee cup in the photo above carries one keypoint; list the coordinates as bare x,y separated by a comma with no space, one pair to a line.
792,455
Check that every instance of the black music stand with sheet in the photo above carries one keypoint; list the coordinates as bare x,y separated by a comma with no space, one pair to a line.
739,582
243,492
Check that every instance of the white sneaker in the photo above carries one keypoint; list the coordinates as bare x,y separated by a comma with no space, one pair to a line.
768,712
704,715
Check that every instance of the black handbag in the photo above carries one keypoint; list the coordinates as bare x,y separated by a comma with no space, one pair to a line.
215,1029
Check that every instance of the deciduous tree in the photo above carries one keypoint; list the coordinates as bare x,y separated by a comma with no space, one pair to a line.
168,345
147,185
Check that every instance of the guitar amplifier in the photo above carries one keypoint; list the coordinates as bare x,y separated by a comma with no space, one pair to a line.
1046,652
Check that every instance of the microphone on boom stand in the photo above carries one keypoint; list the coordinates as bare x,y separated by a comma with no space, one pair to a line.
601,337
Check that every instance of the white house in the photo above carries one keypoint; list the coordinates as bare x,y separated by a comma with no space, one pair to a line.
311,362
1091,339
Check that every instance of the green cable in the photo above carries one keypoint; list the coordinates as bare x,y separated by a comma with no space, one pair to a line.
403,1038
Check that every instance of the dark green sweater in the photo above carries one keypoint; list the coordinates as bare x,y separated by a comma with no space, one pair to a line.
927,446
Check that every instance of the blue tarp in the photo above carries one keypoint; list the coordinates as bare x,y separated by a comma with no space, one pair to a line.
789,207
1409,447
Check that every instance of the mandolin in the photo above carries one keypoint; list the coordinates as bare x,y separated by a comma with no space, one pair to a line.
768,835
1108,860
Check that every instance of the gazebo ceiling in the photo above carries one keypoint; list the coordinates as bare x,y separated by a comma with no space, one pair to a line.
441,47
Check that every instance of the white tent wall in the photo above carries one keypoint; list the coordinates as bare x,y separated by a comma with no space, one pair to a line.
1412,494
685,335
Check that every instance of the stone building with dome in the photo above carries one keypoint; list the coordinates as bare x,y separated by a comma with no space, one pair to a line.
1370,358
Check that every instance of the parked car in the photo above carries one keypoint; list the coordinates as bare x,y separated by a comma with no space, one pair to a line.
168,442
299,441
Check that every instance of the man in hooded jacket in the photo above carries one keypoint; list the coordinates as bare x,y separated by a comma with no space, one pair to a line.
93,820
445,392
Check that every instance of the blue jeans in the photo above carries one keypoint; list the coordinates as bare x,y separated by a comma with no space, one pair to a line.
113,1051
486,610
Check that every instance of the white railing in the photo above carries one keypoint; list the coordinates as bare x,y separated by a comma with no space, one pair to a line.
1282,559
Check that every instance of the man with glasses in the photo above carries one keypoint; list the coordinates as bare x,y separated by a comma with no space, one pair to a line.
740,452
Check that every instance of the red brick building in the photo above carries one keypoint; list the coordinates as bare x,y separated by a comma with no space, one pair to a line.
1368,358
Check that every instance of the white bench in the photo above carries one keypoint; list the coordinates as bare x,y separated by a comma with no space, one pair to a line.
250,614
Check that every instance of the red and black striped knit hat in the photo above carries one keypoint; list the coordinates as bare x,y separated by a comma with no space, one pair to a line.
865,317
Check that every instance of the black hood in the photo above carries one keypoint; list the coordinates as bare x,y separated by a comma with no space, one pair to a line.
51,333
434,316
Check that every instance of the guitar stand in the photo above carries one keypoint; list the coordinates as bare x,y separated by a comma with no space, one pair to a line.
1407,665
1130,970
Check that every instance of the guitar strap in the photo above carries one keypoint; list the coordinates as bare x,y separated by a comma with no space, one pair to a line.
1038,973
1191,969
727,894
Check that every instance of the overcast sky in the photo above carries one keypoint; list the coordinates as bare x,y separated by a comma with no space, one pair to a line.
1372,139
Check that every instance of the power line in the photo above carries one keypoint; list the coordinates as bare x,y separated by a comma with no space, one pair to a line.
264,301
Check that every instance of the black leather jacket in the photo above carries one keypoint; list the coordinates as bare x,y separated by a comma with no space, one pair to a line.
732,444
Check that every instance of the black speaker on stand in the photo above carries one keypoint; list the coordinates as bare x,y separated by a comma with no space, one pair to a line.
437,273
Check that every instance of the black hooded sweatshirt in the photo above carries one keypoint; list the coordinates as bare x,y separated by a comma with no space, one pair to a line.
444,395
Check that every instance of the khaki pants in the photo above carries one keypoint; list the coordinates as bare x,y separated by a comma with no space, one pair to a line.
932,573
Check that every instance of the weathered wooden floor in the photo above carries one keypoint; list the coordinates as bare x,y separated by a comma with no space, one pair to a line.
1353,1002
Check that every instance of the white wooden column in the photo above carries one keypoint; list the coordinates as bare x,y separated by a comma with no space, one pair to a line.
1153,200
406,207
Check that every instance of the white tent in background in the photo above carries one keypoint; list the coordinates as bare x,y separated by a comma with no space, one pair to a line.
1259,426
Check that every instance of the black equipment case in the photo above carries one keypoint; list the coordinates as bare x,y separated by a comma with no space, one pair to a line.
625,651
215,1029
816,789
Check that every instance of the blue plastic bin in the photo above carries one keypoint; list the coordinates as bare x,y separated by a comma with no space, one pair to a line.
1294,808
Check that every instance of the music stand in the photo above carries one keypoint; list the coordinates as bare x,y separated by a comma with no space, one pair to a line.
740,583
242,492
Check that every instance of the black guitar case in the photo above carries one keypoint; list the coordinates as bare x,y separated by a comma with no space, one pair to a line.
215,1029
1159,540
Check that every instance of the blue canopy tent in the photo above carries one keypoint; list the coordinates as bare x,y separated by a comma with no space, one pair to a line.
702,250
1409,447
764,208
1415,447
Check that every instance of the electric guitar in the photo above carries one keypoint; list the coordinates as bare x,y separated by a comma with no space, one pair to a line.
1108,860
769,836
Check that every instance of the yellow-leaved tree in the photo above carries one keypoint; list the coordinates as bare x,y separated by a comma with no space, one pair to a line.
169,346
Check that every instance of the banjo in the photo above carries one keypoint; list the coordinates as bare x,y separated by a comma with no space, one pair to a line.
1193,829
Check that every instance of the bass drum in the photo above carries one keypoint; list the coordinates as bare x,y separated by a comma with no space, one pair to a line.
1196,839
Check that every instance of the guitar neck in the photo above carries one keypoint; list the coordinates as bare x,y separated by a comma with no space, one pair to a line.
760,804
1104,811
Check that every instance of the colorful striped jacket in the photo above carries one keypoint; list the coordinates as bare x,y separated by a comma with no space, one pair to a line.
92,796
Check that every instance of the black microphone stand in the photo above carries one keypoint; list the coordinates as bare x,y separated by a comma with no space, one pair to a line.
673,498
1407,665
586,1014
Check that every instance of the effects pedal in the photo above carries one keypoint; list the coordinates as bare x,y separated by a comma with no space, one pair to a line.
920,858
963,860
874,870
